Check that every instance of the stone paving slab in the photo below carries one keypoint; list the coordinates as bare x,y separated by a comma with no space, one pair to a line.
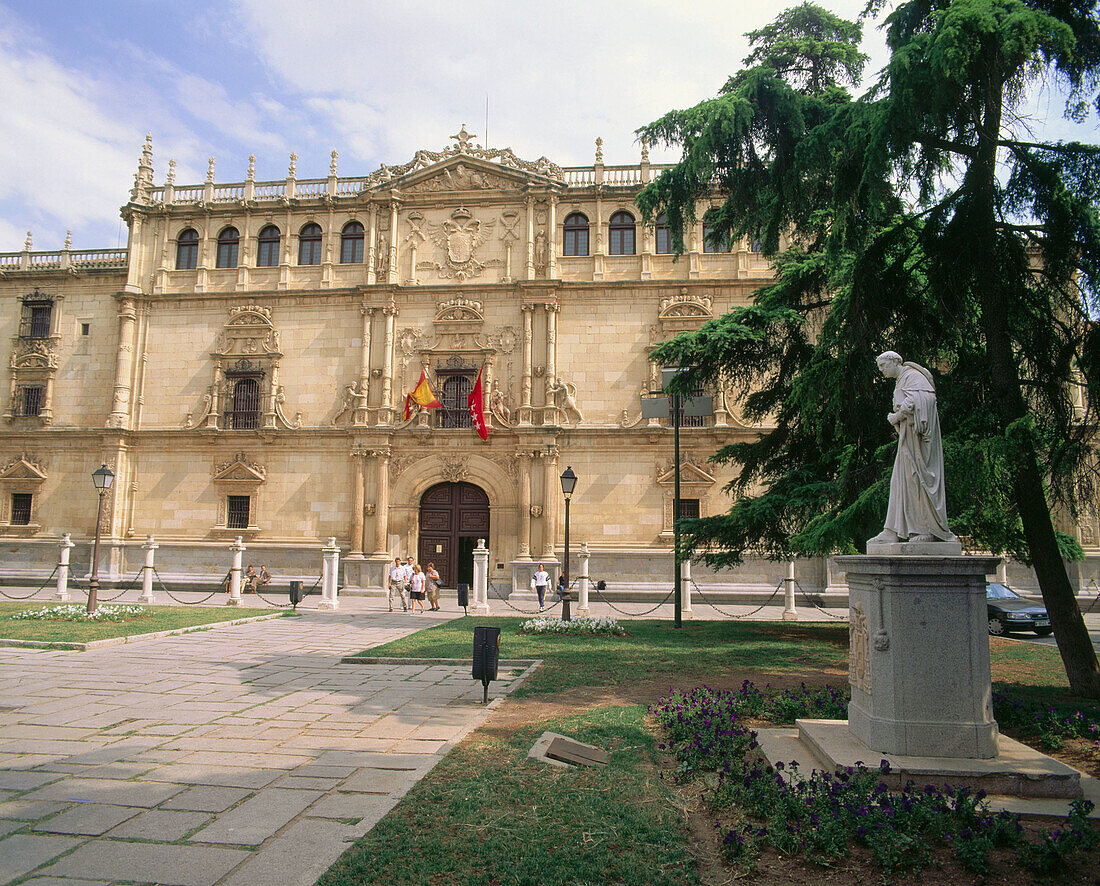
21,853
248,742
163,864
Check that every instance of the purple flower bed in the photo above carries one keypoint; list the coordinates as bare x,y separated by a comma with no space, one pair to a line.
822,815
1051,724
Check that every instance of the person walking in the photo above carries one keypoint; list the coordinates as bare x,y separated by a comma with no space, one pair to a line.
416,594
433,586
540,581
397,584
407,572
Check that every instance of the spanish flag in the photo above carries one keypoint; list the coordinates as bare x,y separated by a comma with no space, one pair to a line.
476,403
421,394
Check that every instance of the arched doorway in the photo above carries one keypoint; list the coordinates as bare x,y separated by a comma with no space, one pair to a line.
453,516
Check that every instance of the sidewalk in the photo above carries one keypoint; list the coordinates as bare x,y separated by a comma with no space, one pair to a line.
239,755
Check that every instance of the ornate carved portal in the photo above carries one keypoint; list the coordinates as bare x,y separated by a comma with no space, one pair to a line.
453,516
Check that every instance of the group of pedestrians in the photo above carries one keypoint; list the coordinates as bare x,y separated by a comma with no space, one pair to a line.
412,585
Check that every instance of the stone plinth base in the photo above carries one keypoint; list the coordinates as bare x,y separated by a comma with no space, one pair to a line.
919,656
1017,770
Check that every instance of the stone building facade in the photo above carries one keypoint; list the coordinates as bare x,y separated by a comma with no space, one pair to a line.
242,367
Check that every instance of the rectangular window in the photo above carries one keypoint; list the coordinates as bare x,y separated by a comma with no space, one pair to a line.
237,511
35,319
689,509
712,244
21,508
30,399
85,328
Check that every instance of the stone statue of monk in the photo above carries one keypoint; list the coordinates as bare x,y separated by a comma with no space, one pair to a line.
918,502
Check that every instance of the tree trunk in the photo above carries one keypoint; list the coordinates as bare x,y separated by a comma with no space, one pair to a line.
1070,632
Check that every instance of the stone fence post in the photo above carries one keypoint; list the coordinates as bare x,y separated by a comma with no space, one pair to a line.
66,545
789,612
147,574
685,589
582,591
481,578
330,570
238,548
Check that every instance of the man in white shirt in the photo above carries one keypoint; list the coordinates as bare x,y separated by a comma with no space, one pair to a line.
540,581
397,584
407,574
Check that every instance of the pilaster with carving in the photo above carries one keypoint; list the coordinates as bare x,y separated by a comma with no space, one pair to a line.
549,414
550,492
523,516
372,243
524,417
363,393
381,459
358,498
124,363
385,413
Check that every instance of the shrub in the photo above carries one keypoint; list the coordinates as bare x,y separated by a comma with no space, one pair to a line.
76,612
585,625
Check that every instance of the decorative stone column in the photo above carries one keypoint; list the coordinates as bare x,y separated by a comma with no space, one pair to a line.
552,239
919,655
330,571
523,517
685,589
358,499
524,417
789,612
66,546
150,548
372,243
530,206
385,413
392,279
583,560
362,401
481,578
550,492
550,413
382,505
124,363
238,548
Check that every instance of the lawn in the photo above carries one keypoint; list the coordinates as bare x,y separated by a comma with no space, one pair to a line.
155,618
654,649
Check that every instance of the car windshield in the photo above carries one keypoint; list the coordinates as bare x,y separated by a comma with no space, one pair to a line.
1000,592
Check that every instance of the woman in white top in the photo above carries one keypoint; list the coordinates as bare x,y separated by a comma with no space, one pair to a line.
416,595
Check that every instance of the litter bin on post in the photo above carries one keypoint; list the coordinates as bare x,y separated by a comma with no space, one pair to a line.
295,593
486,657
463,595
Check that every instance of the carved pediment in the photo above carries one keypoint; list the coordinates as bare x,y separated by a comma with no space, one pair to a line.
461,175
690,474
22,470
248,331
33,354
240,470
460,308
685,305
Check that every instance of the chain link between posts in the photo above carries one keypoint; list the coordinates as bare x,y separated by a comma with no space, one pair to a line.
1096,590
816,606
504,600
595,587
717,608
40,588
217,589
289,605
129,587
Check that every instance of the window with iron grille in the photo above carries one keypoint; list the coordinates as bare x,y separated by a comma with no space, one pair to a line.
29,400
21,508
689,421
454,389
244,400
35,319
236,511
689,509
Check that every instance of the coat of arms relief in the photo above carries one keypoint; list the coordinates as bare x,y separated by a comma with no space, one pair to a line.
459,238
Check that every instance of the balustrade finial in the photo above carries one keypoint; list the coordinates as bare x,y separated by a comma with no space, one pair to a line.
68,240
599,150
27,244
293,171
251,167
171,172
210,172
645,150
147,151
332,165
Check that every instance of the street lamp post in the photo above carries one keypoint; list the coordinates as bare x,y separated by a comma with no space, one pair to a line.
568,484
102,478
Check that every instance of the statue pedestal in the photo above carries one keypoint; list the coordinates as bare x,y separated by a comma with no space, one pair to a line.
919,655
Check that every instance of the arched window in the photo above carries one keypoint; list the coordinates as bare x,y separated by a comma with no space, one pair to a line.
187,250
454,391
712,243
245,411
662,235
228,242
268,254
575,241
351,244
621,230
309,245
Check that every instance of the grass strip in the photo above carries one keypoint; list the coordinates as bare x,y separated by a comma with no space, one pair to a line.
155,618
486,814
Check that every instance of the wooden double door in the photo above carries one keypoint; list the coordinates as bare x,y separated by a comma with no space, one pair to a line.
453,516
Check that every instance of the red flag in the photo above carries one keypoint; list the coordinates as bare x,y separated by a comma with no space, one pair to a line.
408,406
476,403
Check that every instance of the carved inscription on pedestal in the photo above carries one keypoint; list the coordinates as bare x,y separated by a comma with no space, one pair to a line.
859,650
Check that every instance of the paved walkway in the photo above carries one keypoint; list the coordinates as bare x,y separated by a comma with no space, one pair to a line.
239,755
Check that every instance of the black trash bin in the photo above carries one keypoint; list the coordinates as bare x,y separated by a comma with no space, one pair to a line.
463,595
486,657
295,593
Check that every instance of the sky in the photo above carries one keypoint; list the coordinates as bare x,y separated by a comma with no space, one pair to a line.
82,82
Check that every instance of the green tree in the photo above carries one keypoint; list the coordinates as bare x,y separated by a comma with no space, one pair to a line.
916,218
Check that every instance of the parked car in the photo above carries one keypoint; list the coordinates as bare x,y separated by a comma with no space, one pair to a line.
1008,611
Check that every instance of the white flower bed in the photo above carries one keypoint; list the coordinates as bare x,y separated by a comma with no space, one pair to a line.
545,624
78,612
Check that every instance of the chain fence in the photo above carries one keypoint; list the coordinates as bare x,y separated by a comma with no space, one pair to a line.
810,599
729,614
129,587
1092,586
217,589
40,588
595,587
505,601
305,594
